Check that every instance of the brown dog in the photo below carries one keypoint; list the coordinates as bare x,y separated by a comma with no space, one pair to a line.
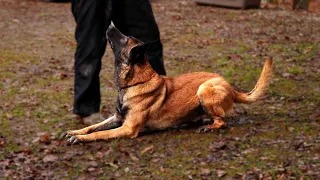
148,100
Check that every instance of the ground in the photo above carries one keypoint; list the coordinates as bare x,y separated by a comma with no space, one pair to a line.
278,137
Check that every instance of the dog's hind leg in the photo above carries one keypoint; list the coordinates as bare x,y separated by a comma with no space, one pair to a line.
216,99
110,123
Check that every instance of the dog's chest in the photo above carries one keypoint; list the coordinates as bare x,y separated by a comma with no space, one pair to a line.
122,109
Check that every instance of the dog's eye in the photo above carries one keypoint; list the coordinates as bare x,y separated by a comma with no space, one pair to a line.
125,40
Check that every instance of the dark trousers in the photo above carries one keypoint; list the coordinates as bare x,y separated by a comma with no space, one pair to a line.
132,17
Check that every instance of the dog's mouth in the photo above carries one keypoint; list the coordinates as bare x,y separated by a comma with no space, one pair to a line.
109,34
115,38
110,42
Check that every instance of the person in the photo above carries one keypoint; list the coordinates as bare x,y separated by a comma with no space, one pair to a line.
133,18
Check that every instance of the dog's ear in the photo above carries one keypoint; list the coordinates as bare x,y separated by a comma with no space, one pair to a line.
138,52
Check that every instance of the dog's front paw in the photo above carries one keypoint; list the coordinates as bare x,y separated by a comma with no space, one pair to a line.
73,140
73,133
67,134
202,129
205,129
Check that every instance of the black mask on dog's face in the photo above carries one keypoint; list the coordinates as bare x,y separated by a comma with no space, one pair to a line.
127,50
116,39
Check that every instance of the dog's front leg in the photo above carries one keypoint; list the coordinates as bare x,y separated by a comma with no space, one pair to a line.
122,131
130,128
95,127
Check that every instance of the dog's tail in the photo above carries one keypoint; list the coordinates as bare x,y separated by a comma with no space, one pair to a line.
260,87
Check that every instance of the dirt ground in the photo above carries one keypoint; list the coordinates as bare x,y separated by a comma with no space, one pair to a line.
277,138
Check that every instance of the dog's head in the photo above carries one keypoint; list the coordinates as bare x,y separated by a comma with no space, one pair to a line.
127,50
130,56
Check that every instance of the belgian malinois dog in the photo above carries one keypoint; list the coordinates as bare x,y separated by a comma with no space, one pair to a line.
148,100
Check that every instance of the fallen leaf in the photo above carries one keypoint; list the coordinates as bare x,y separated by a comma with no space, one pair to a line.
155,160
27,151
99,155
235,57
112,165
247,151
149,148
9,116
63,76
45,139
50,158
8,173
5,163
205,171
2,143
290,129
90,169
221,173
281,177
264,158
16,20
92,164
255,169
127,169
216,146
242,18
133,157
262,41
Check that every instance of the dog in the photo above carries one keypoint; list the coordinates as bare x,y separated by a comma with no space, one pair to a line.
148,100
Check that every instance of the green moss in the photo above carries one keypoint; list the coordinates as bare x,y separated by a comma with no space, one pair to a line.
12,147
11,58
240,48
296,51
19,111
6,131
6,75
286,87
4,125
296,70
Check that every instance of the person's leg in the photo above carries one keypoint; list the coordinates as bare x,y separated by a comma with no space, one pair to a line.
135,18
92,19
